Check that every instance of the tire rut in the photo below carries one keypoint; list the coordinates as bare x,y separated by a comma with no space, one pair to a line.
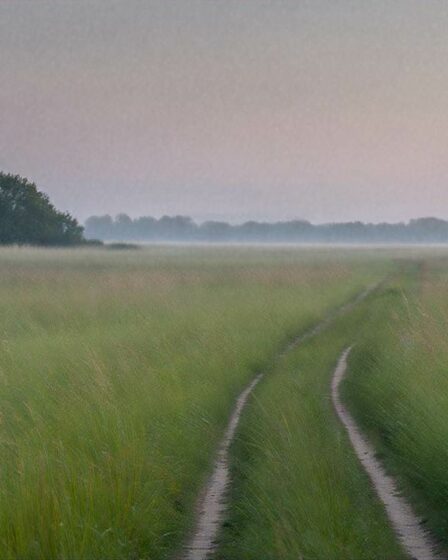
415,539
212,503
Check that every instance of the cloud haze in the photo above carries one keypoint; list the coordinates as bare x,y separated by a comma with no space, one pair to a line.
325,110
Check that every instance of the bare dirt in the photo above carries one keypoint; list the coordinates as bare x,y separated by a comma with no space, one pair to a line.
416,541
212,505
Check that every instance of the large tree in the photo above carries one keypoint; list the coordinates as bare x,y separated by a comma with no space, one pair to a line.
28,217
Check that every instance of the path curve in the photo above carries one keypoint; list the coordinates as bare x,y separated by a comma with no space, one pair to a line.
407,526
212,502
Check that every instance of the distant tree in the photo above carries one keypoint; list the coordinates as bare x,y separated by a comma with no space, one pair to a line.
292,230
176,228
144,228
99,227
429,229
123,220
183,228
28,217
123,227
215,231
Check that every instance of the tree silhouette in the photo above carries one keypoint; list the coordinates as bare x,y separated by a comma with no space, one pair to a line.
27,216
183,228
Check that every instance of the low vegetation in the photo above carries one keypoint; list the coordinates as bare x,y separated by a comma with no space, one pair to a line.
118,371
398,387
298,489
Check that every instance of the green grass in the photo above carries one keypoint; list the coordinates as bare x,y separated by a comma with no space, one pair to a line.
299,493
117,374
398,387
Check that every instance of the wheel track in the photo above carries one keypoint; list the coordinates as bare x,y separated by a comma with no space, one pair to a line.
416,540
212,503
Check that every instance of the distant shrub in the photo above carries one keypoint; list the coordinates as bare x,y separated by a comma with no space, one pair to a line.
122,246
93,242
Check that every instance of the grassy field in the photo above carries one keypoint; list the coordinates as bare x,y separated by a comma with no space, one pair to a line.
299,492
117,374
398,387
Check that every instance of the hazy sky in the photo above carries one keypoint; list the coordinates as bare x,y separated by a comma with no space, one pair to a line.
234,109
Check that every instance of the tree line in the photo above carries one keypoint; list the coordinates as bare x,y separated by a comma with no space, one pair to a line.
28,217
184,229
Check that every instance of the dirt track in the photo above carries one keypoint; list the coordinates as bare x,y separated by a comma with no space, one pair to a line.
212,502
414,538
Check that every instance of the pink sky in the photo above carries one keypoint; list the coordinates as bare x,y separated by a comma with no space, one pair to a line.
259,109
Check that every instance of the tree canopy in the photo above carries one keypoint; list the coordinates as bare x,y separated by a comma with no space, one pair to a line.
27,217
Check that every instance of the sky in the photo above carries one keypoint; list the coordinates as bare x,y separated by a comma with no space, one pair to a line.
326,110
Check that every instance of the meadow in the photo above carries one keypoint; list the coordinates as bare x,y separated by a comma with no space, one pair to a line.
398,388
119,369
117,373
298,490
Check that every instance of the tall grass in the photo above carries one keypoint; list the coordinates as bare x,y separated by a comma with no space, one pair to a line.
117,374
398,387
299,492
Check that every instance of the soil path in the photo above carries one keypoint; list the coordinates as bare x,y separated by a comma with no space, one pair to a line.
414,538
212,502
